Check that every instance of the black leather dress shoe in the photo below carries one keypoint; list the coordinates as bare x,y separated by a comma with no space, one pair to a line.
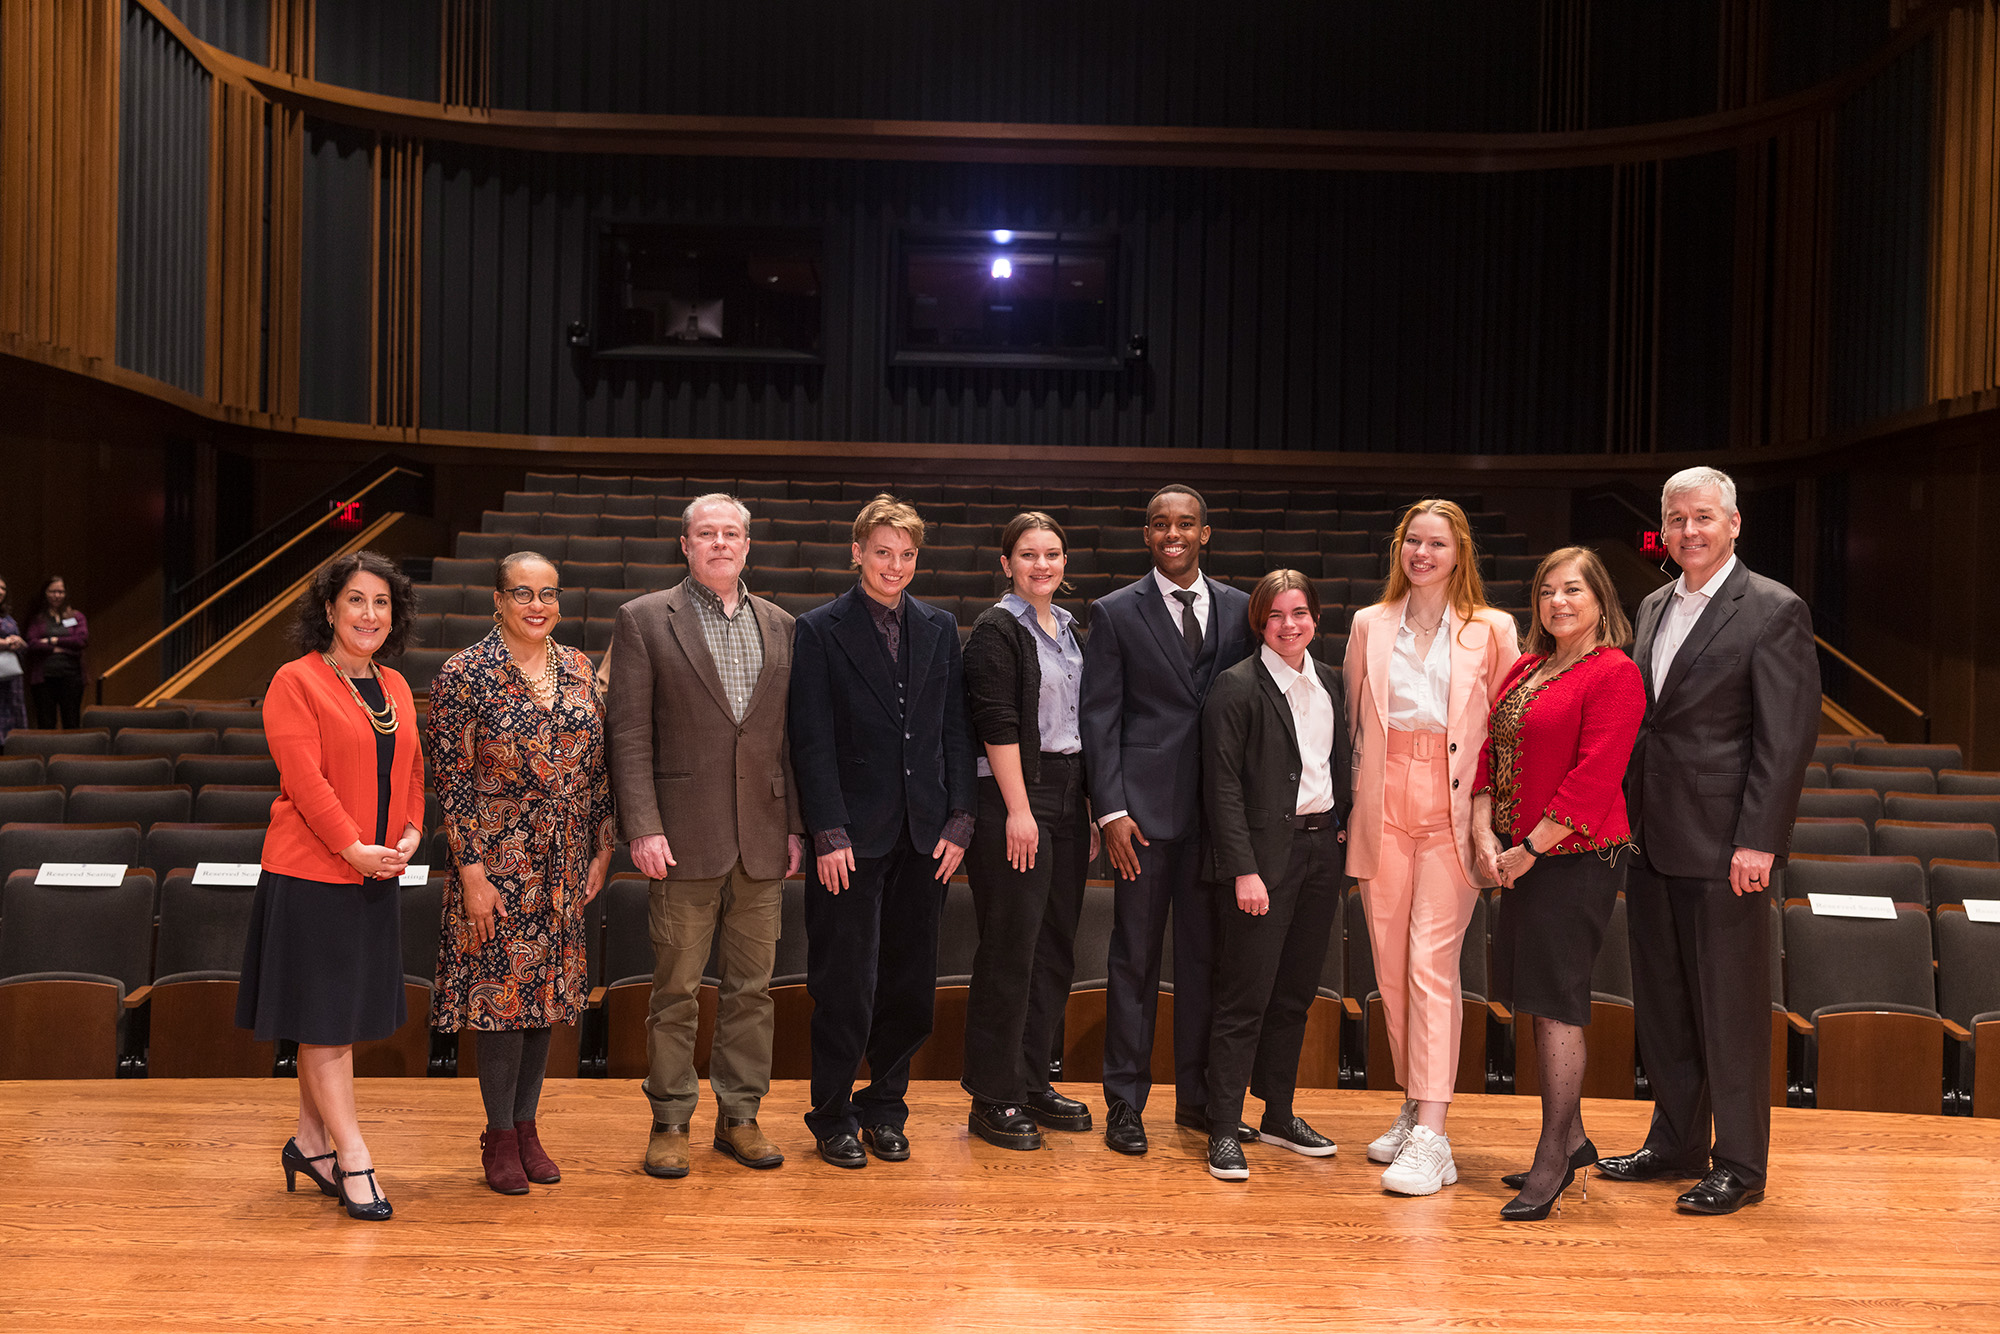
887,1142
1720,1192
1645,1165
1196,1119
843,1150
1056,1112
1123,1130
1003,1125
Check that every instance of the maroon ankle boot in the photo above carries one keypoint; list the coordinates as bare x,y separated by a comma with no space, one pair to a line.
500,1154
535,1161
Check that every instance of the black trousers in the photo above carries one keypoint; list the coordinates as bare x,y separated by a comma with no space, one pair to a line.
871,968
1267,971
1169,878
1701,970
1027,933
58,701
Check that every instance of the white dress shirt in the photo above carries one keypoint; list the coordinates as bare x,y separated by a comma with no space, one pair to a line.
1419,688
1200,590
1683,610
1312,719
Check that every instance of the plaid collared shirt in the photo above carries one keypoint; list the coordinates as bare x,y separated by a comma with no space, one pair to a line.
735,643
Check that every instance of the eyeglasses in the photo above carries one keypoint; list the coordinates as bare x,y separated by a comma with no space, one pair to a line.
523,596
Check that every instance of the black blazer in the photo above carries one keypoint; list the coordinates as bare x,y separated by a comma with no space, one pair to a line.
1141,712
1003,686
1250,769
1727,736
858,765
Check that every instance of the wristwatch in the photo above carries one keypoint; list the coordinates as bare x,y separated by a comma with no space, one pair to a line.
1528,842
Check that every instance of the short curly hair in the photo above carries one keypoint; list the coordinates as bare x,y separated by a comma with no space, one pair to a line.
312,632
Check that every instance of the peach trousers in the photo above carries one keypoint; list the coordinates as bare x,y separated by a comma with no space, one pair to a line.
1418,905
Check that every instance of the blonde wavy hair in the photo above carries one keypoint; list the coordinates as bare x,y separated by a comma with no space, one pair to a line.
1466,592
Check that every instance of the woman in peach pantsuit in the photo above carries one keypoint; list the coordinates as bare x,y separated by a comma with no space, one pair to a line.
1423,667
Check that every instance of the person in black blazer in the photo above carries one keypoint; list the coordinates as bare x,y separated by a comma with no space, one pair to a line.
1155,648
882,755
1275,776
1732,709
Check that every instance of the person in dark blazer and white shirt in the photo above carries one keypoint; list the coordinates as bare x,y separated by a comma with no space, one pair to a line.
882,754
1732,709
1275,757
1156,646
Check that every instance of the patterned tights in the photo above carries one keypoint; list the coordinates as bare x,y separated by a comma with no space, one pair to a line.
1560,1057
511,1066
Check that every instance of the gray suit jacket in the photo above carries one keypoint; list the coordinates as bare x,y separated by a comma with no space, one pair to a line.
680,765
1728,733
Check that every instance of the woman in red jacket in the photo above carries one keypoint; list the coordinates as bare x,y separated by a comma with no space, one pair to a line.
1551,788
323,964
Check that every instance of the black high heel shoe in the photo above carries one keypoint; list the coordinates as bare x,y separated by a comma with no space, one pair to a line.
377,1209
295,1162
1518,1210
1585,1155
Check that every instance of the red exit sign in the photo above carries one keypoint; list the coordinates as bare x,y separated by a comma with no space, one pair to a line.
1649,542
348,515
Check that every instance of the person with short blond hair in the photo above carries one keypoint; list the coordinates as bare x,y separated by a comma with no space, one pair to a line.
883,756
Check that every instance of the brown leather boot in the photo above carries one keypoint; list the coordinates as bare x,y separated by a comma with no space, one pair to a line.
535,1161
500,1154
740,1139
667,1151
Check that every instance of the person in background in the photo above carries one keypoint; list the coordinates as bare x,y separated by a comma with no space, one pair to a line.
13,684
1422,670
1156,647
1275,773
517,743
883,756
1550,810
57,635
705,794
323,960
1033,842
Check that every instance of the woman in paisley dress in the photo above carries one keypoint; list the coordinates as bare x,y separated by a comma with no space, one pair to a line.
517,739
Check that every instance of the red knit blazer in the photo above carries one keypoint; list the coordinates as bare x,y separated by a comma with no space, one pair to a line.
1564,755
325,749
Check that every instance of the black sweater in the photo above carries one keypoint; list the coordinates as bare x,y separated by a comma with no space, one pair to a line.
1003,686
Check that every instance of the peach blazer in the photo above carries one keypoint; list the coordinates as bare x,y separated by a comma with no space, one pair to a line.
1480,657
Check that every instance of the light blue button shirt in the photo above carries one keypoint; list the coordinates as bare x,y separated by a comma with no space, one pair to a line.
1061,661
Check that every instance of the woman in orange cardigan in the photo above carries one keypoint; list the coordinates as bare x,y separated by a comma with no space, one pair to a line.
323,962
1423,667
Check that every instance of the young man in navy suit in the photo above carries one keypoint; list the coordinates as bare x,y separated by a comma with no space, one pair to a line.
883,758
1156,647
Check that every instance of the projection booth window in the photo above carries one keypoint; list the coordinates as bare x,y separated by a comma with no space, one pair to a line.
719,292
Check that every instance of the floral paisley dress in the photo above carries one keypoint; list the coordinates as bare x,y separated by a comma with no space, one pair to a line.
527,793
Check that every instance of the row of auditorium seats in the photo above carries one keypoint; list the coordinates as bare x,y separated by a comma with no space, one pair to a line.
925,492
171,742
24,768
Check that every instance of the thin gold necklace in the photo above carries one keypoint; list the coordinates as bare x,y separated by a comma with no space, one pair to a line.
384,720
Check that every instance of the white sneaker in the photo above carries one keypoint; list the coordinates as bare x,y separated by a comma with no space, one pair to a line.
1423,1166
1384,1150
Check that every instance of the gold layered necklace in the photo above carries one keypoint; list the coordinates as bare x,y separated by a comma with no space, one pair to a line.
383,720
544,684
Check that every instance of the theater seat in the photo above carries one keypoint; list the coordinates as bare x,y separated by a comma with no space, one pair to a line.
1862,993
192,1001
69,956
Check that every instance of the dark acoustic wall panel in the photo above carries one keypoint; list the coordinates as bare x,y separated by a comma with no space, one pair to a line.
1651,62
1411,65
162,206
333,315
237,26
1351,311
1697,258
1813,40
387,46
1881,245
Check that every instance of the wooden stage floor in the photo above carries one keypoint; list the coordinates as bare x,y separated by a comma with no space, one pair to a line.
148,1205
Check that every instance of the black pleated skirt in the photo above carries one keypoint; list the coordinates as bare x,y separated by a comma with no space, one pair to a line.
323,963
1550,929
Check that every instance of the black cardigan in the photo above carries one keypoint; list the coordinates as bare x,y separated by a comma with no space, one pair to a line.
1003,686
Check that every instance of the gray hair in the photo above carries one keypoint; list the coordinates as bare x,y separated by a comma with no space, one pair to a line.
719,498
1699,479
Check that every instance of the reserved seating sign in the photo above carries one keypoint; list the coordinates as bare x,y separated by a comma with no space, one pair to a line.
81,873
1852,905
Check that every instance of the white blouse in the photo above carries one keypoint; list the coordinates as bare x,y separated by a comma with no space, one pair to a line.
1420,687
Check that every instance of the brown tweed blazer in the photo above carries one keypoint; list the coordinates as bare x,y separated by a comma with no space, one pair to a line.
680,765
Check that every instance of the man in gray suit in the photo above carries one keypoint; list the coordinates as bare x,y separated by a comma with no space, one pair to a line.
1732,710
703,774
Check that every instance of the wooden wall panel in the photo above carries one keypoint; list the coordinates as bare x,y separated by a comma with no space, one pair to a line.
59,174
235,342
1965,238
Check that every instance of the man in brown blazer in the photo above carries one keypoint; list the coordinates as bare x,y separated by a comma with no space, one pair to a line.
704,673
